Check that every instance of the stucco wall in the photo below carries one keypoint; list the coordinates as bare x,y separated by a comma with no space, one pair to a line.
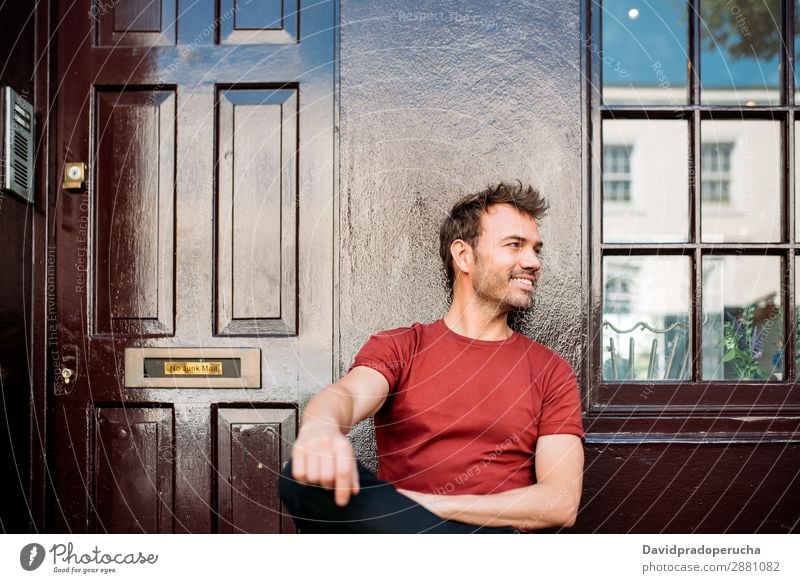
439,99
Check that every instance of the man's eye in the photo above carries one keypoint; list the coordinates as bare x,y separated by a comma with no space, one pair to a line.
515,244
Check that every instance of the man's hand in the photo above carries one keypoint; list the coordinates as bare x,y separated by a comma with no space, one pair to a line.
323,456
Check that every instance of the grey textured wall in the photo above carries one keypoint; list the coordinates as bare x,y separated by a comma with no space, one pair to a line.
439,99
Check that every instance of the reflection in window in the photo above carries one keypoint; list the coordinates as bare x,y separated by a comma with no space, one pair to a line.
646,165
644,54
742,318
796,51
740,59
740,167
646,334
617,173
754,181
716,172
797,182
797,318
617,290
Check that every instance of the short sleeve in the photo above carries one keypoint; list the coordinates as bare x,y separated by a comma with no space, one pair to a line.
385,352
561,405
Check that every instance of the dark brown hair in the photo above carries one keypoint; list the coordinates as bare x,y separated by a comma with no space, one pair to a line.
464,219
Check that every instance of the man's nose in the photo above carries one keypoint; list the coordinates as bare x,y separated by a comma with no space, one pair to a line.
531,260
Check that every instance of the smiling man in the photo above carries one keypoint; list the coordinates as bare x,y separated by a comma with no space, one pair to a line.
478,427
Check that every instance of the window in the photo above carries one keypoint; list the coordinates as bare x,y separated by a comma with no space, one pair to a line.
715,172
645,317
616,173
689,291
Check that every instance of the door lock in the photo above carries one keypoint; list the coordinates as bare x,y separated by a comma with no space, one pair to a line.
67,374
67,370
74,176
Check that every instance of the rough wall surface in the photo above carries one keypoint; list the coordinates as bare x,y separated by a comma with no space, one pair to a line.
439,99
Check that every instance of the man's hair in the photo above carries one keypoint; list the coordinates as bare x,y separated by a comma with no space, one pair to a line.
464,219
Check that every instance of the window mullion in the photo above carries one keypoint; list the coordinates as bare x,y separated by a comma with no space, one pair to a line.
788,52
593,32
790,338
695,195
694,52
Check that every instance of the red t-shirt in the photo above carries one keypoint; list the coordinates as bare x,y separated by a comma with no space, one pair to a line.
463,415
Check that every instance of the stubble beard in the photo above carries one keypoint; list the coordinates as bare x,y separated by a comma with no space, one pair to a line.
497,293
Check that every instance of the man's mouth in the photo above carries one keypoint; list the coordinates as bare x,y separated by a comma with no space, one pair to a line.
523,283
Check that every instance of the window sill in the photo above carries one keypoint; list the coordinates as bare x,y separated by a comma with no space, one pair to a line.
610,428
692,398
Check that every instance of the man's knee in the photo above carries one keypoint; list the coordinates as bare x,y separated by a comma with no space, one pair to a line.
310,506
300,498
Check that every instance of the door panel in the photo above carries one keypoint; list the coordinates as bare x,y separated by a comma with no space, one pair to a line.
206,221
134,22
267,21
133,475
257,252
134,212
248,444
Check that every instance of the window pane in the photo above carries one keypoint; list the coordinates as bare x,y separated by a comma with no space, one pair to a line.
644,54
740,59
797,318
740,181
645,181
742,318
646,332
796,181
796,51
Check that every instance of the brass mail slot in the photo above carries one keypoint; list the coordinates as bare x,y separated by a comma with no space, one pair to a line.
217,368
193,368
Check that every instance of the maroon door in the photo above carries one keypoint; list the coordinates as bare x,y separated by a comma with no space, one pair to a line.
205,223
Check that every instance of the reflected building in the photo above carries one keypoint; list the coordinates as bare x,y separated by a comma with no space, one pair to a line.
648,192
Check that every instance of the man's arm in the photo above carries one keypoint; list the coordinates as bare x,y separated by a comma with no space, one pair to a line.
553,501
322,454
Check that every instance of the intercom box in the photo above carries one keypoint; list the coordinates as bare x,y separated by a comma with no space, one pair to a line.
16,152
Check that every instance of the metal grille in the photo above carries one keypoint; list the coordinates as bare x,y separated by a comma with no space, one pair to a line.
17,155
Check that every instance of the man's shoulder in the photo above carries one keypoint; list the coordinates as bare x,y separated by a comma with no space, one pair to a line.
403,337
543,355
414,329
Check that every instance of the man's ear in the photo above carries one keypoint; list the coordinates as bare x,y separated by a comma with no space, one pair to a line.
463,255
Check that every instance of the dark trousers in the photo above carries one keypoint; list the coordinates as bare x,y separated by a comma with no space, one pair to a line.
377,508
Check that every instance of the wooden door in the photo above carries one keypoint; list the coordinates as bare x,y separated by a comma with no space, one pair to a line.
205,222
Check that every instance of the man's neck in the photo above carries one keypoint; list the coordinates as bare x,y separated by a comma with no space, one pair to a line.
477,322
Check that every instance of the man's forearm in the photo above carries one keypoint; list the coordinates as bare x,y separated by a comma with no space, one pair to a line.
332,406
528,508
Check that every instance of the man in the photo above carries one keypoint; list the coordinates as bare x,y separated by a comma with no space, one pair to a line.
478,427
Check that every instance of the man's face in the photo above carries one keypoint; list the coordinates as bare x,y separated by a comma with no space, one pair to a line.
507,263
